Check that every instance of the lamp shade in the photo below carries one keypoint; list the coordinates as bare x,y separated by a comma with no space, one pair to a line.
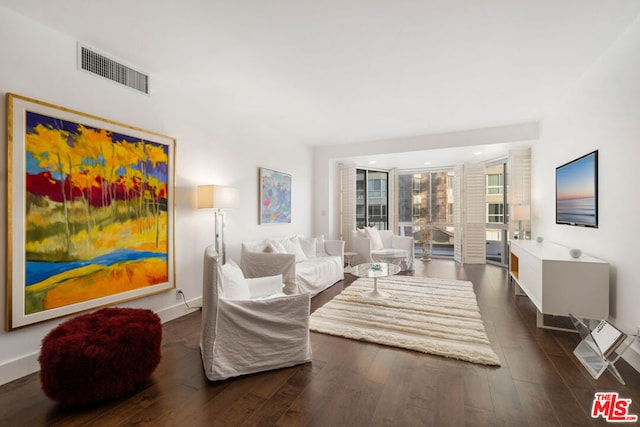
521,212
218,197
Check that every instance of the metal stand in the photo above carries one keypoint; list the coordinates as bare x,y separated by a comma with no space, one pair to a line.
219,237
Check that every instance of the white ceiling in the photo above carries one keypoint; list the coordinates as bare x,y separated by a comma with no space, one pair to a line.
341,71
437,158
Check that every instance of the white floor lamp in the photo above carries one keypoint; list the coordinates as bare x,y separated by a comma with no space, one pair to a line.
219,198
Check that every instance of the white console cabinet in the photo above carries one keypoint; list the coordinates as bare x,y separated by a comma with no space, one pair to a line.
558,284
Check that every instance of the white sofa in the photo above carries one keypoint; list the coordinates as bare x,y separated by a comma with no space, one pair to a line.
373,245
308,265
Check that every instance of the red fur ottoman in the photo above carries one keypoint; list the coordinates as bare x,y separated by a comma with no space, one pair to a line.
100,356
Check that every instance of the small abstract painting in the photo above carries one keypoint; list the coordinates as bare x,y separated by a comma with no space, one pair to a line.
275,197
91,207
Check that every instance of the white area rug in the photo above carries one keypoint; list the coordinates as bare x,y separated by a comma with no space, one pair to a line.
429,315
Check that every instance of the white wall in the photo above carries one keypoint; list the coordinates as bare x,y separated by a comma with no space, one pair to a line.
213,147
601,112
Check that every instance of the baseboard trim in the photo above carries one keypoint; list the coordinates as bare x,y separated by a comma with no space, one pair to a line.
18,368
179,310
632,357
28,364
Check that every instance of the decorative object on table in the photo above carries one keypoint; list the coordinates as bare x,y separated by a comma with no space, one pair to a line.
539,239
219,198
91,204
575,253
428,315
427,241
275,197
375,266
100,356
577,192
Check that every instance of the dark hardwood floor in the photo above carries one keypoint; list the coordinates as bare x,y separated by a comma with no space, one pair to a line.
350,383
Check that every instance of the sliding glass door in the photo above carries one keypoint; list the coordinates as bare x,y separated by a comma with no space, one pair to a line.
425,211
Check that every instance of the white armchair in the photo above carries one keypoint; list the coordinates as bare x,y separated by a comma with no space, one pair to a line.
249,325
382,246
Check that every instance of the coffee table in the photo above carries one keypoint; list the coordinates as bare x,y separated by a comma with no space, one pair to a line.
375,270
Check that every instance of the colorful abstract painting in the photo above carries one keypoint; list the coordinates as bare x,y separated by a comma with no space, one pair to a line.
91,209
275,197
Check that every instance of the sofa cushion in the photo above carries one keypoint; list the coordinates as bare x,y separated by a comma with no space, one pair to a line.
374,235
308,246
286,245
267,286
292,246
275,246
234,285
255,246
315,275
320,250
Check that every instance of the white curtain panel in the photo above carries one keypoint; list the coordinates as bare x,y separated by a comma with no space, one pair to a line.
519,182
474,235
392,209
458,179
347,202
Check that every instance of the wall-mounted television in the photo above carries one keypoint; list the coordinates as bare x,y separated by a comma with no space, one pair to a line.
577,191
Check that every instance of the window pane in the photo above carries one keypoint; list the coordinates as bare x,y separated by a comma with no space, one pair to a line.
496,248
371,198
494,183
495,212
425,211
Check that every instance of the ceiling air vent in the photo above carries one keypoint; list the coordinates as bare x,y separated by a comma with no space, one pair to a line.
96,63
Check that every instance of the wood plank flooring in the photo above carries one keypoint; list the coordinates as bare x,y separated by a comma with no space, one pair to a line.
351,383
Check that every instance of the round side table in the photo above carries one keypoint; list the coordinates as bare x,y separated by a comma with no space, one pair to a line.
348,256
375,270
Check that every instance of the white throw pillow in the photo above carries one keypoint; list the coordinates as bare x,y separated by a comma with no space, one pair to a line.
376,240
292,246
266,286
308,246
320,250
360,232
275,246
234,285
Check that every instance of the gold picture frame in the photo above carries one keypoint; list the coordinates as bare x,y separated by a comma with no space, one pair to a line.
91,212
